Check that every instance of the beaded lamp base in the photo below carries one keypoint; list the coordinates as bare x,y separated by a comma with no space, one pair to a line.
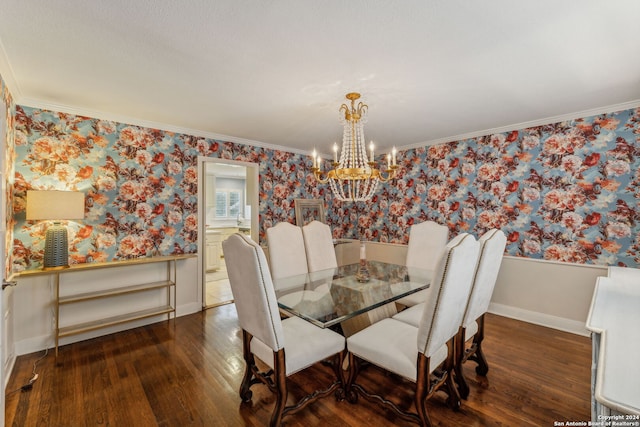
56,247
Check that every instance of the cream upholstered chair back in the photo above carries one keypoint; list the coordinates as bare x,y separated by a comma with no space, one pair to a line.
287,255
264,333
252,289
426,242
451,284
318,243
492,244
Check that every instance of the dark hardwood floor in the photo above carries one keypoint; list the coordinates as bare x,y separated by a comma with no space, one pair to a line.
187,373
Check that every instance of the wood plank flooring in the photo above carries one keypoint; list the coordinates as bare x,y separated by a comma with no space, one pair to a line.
187,372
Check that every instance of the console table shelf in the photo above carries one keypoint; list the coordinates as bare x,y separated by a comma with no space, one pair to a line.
115,320
62,299
114,291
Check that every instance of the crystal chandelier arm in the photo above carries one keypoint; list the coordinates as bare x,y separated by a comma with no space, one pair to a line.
391,173
318,176
317,173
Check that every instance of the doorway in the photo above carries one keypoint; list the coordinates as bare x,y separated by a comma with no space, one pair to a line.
227,204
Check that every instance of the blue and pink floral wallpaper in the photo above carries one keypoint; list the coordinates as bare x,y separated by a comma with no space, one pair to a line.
140,185
565,191
6,198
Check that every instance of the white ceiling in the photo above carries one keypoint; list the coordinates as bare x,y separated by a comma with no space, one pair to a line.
275,72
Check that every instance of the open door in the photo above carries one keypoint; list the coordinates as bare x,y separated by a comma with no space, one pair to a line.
227,203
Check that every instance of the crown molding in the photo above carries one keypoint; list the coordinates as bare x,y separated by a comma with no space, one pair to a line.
7,74
35,103
518,126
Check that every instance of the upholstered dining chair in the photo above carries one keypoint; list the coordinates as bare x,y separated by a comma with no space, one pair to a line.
318,243
492,244
423,355
321,260
426,242
287,258
285,346
287,254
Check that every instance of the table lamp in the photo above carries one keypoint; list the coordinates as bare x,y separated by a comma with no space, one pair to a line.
53,205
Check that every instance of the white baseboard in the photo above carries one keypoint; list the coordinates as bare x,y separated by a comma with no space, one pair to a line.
542,319
185,309
33,344
8,369
42,342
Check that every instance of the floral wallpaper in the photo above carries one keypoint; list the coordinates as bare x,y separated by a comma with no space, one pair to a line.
6,197
566,191
140,185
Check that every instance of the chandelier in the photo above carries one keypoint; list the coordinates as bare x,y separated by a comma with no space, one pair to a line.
355,177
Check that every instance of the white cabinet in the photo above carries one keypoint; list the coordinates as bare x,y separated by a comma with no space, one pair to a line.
213,242
612,320
213,250
226,232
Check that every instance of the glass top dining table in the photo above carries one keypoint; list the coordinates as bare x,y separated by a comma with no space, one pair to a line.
328,297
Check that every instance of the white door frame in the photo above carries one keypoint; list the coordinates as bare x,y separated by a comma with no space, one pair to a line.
253,172
4,294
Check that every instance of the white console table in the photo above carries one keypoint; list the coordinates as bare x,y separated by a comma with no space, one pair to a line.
614,322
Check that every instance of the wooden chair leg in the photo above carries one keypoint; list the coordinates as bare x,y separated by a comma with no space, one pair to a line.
250,363
341,376
454,397
461,382
352,373
426,385
423,387
483,366
280,373
449,366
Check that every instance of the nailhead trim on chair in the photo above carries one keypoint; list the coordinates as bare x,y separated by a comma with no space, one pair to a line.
444,274
475,275
262,282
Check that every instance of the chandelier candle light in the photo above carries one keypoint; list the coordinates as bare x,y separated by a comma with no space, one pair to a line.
355,177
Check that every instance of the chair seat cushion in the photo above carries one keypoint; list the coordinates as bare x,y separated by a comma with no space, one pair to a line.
411,315
392,345
304,345
414,299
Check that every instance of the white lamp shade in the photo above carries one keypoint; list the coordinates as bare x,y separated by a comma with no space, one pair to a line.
55,205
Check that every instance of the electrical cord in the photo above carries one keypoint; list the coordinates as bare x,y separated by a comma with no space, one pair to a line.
34,376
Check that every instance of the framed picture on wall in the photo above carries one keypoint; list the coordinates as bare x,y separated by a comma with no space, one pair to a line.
308,210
